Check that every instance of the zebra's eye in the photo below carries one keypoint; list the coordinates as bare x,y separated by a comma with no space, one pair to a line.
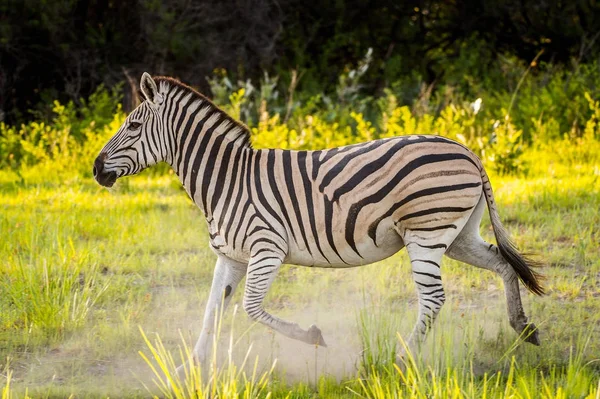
134,125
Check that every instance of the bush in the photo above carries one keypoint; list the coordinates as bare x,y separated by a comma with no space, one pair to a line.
546,109
66,143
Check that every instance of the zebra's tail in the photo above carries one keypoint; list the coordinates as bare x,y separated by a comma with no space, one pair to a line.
521,264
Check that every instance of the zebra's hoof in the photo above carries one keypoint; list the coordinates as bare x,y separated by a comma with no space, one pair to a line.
530,334
315,337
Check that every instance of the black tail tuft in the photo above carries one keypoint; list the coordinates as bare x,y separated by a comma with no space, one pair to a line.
520,263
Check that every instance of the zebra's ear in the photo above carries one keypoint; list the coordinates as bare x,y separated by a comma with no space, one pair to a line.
150,90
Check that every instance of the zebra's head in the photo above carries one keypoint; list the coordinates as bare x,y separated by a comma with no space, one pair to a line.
136,145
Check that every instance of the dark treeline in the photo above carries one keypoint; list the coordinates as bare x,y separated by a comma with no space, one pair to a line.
64,49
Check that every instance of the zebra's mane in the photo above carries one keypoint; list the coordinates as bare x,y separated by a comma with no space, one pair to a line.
199,96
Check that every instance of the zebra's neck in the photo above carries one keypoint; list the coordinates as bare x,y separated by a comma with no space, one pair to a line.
208,145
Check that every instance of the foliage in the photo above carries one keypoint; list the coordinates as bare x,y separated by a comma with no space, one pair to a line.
535,105
64,50
498,125
71,138
68,142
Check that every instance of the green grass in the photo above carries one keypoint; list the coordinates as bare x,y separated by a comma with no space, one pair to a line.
83,269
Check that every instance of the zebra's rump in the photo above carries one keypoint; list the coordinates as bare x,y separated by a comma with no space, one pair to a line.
351,205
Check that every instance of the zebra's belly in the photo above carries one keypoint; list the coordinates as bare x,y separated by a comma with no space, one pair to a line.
387,245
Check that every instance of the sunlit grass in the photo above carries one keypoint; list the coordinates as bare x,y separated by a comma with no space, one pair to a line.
83,268
231,380
575,381
453,364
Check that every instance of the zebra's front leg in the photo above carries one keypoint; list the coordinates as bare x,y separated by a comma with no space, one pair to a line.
262,269
227,275
426,272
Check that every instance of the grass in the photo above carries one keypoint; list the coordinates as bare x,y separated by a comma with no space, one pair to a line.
82,269
192,381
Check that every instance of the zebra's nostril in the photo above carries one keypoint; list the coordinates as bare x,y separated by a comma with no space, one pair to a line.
98,167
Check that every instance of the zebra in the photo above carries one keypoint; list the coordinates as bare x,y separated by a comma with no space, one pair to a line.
341,207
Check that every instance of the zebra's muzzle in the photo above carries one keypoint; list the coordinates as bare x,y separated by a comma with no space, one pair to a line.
104,178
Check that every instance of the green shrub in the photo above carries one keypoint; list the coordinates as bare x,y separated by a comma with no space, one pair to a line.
64,136
540,108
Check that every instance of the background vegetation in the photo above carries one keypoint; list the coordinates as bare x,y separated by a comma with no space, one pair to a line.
82,268
64,50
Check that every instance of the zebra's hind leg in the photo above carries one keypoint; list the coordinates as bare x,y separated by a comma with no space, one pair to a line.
262,269
469,247
476,252
425,261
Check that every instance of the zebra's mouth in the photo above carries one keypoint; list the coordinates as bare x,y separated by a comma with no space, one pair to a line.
103,177
106,179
